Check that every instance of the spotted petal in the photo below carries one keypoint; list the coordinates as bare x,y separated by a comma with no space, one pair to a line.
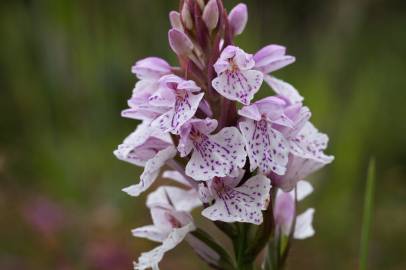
142,92
151,171
217,155
152,258
241,204
310,143
306,157
266,147
139,105
184,109
240,85
142,145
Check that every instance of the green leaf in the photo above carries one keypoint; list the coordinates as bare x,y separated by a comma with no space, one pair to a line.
367,217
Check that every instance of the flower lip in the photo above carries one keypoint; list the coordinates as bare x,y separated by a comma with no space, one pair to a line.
236,78
213,155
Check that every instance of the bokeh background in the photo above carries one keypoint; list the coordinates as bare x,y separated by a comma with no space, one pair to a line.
65,77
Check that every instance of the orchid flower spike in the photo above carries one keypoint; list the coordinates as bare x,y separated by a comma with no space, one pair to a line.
200,120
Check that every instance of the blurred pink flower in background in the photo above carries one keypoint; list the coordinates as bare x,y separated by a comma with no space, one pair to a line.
107,255
44,216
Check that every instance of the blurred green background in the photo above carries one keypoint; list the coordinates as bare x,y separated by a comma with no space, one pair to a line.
65,77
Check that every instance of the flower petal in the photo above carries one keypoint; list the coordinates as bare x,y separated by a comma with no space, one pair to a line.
205,126
251,112
205,107
310,143
298,168
142,92
185,145
299,116
243,60
179,199
142,145
150,232
163,97
143,112
304,228
140,107
273,108
274,63
267,54
306,157
151,171
284,211
165,217
266,147
151,258
238,85
303,189
184,109
241,204
204,192
218,155
151,68
177,177
283,89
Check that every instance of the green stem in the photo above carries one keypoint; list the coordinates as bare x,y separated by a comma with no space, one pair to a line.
244,262
227,228
263,233
225,263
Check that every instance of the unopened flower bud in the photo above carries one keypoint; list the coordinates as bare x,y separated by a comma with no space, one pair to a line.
180,42
187,17
174,18
200,3
211,14
238,18
284,211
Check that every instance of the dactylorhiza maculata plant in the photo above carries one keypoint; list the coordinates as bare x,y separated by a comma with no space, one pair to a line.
238,159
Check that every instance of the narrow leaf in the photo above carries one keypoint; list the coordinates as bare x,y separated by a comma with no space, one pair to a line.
367,216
